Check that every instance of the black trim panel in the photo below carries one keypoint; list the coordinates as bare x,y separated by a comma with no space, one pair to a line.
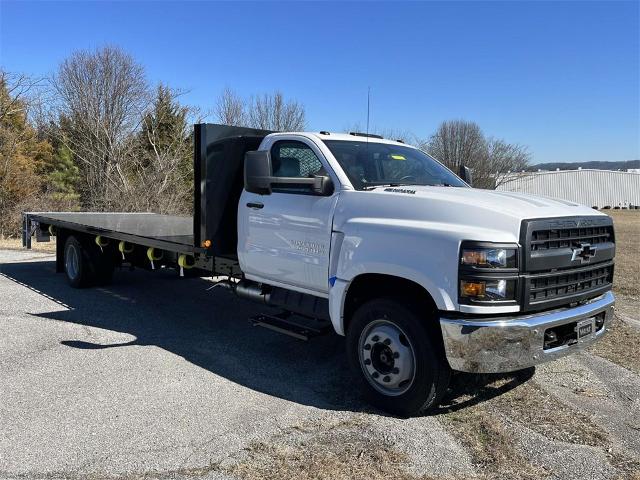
560,257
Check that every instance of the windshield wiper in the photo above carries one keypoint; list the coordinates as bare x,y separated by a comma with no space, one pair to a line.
372,185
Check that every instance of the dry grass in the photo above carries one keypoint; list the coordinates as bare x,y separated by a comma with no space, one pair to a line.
342,450
628,468
481,428
492,448
529,405
627,271
16,244
621,345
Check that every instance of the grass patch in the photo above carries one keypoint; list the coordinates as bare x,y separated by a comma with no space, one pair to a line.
628,468
337,451
621,345
492,448
627,228
531,406
481,427
16,244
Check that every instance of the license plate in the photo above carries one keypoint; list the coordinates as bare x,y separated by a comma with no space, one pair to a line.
585,328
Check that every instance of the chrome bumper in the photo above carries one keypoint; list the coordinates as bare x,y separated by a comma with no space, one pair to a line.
509,344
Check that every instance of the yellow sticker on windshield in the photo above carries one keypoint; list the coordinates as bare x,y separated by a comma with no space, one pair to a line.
398,157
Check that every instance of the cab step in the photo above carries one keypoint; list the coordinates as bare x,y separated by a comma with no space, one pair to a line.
301,328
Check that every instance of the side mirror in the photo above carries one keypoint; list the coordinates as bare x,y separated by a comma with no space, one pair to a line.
465,174
258,172
258,177
323,185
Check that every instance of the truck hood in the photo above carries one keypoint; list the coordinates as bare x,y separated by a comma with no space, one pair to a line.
474,213
519,205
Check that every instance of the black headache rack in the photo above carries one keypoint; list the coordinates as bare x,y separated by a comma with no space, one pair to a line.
218,181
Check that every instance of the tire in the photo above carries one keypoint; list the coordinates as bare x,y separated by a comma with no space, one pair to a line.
76,263
398,360
85,264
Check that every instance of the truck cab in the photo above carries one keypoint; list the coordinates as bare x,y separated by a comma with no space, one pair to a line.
421,272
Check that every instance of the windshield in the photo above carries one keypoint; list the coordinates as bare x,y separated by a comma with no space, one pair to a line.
372,164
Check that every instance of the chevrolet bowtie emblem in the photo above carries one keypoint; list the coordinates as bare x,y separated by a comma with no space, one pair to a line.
584,252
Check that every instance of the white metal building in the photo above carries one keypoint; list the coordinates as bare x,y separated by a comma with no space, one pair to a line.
594,188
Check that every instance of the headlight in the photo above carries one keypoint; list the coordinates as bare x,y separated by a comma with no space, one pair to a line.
488,290
488,273
487,257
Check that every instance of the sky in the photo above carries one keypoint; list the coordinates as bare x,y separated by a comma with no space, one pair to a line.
562,78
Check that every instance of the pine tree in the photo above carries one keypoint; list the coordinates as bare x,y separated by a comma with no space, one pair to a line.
164,168
164,127
64,176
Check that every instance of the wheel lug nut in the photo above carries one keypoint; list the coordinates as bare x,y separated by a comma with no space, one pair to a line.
367,361
375,338
375,375
396,371
367,346
387,342
396,354
386,379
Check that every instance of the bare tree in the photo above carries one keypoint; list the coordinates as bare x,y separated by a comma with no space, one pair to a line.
504,158
456,143
269,111
272,112
101,94
230,108
22,154
18,94
460,142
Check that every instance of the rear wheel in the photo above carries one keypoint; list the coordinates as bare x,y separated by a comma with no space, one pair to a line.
85,264
76,265
400,364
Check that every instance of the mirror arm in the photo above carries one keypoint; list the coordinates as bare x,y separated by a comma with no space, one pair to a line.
296,180
319,184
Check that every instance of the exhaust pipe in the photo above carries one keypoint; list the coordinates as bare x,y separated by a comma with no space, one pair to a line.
250,291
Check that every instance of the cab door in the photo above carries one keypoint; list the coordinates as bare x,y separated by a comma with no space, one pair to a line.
284,238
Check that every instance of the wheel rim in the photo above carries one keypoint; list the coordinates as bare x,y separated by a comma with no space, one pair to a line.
387,357
72,262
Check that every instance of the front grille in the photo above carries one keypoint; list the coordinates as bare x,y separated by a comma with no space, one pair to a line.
569,283
554,272
554,238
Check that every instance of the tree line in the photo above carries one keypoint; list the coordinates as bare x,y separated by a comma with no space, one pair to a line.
97,136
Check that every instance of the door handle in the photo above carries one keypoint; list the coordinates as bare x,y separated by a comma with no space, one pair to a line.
255,205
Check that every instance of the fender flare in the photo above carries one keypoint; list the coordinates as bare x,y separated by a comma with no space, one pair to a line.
340,290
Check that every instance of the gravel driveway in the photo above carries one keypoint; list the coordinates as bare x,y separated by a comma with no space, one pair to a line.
156,377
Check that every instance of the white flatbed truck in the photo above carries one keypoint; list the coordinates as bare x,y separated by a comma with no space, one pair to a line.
376,239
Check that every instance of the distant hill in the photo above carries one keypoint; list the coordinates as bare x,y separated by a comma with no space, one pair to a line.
624,165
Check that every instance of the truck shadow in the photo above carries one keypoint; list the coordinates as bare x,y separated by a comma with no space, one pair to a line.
210,329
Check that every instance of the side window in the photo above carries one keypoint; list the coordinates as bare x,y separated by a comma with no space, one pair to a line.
294,159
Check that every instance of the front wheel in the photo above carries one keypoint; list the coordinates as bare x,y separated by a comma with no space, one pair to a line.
400,363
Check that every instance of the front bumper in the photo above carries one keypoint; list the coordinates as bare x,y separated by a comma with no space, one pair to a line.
507,344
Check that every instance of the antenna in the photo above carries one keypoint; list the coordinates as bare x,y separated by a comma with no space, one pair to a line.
368,107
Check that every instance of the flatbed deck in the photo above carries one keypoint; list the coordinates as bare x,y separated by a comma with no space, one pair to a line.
168,232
